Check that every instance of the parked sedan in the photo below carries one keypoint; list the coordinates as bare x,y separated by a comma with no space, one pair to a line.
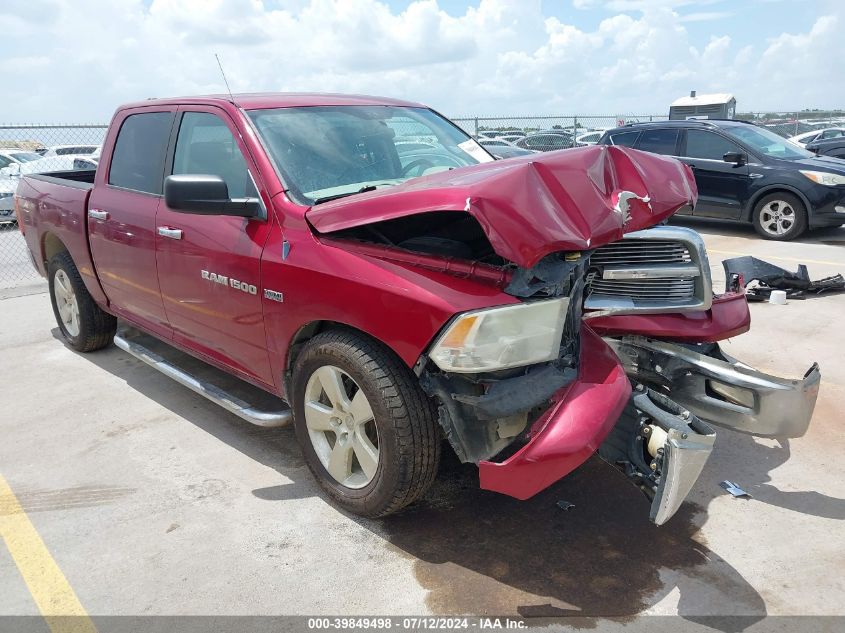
546,141
747,173
817,135
834,147
10,155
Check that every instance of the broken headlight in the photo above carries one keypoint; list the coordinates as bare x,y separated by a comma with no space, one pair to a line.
501,338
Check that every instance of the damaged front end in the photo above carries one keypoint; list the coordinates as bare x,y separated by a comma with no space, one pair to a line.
483,411
529,389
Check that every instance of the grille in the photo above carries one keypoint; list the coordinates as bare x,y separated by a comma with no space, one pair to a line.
663,269
626,252
646,289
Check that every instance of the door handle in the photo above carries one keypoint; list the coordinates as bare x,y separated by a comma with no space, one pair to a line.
98,214
173,234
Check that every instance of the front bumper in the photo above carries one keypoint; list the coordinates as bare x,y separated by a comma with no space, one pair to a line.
564,437
720,389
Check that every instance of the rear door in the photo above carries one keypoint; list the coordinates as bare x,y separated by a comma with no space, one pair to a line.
122,211
722,187
209,265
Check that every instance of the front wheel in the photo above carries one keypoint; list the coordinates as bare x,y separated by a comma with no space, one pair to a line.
780,216
367,431
82,323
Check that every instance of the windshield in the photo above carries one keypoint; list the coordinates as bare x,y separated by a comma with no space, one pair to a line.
327,152
25,157
767,142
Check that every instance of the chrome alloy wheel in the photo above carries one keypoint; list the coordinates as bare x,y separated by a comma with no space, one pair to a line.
66,302
777,217
341,427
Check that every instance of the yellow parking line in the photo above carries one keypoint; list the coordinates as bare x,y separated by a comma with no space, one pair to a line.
51,591
786,259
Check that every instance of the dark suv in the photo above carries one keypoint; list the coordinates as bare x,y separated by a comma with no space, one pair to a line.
747,173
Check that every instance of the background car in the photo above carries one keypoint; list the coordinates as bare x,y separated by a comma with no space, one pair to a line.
509,151
817,135
834,147
9,155
65,150
589,138
747,173
546,141
7,203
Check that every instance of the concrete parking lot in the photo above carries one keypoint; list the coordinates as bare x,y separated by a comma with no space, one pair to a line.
151,500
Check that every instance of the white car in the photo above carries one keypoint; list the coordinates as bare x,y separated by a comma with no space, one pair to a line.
10,155
817,135
494,142
66,150
7,203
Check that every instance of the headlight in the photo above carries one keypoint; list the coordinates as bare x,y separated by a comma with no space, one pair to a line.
500,338
6,194
824,177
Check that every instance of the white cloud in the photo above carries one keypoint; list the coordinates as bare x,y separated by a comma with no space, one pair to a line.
80,58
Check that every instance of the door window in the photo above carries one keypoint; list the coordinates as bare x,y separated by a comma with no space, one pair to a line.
205,145
626,139
138,159
704,144
658,141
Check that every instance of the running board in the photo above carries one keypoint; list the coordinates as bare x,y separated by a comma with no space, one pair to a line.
269,419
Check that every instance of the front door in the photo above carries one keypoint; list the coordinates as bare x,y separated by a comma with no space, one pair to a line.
722,187
122,214
209,265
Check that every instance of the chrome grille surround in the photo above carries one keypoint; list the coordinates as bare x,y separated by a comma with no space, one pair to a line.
661,269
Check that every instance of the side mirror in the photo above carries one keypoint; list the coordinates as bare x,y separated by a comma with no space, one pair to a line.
203,194
738,158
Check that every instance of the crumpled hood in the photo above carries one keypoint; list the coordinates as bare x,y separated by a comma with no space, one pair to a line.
568,200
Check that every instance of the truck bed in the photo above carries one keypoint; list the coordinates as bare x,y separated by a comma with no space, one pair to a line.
54,214
78,178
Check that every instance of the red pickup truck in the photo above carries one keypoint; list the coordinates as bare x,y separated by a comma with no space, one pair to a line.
401,293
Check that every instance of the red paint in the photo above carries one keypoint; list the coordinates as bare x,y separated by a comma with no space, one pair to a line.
533,205
582,415
729,316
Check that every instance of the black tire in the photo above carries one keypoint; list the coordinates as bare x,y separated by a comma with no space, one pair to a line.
404,417
798,211
96,328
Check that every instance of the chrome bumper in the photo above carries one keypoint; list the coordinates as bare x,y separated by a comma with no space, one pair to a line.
720,389
661,447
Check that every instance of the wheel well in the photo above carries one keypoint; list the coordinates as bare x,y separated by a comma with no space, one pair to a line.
303,335
52,247
781,189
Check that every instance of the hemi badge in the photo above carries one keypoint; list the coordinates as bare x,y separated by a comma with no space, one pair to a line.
274,295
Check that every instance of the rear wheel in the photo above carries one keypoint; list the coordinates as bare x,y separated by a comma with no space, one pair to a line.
82,323
367,431
780,216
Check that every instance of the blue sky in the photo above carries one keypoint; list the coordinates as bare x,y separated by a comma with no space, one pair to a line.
494,57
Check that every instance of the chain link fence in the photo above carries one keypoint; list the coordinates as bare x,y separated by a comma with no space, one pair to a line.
29,149
26,149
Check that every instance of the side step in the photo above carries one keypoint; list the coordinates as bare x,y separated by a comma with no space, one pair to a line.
259,417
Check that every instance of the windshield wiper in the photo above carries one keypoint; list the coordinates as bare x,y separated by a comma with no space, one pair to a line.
336,196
